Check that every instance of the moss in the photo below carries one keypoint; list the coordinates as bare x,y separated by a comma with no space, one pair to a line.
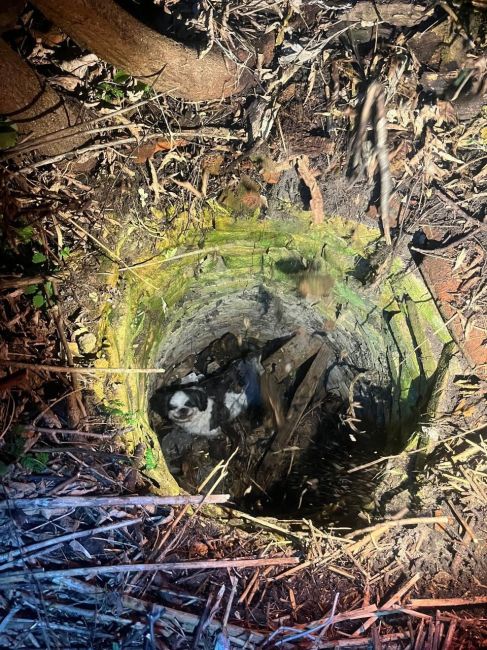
226,252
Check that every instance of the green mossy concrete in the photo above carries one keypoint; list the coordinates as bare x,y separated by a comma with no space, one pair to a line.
222,255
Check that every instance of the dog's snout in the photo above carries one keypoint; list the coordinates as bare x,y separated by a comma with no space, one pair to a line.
182,412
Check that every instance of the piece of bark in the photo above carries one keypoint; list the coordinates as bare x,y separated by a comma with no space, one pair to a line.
292,354
164,64
273,463
34,108
305,392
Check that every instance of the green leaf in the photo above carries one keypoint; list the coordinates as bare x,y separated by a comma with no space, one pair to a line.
65,252
39,258
25,234
120,77
38,300
34,288
48,289
37,463
150,459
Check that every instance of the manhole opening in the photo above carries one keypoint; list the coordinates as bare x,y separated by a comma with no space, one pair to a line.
323,410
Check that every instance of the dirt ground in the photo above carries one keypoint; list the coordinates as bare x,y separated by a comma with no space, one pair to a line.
79,574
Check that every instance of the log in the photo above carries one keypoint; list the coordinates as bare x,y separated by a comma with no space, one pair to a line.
35,108
164,64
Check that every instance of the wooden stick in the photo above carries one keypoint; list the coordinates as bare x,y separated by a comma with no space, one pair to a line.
364,642
383,459
110,501
72,432
389,602
81,371
24,550
410,521
192,565
420,603
383,161
12,282
468,529
447,645
240,636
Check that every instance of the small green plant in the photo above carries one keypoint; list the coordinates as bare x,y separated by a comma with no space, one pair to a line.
116,408
119,87
64,253
25,234
40,295
37,463
39,258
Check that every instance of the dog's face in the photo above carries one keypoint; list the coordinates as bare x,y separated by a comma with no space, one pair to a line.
180,406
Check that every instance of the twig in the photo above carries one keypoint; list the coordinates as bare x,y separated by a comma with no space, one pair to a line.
10,615
239,635
81,371
24,550
110,501
107,251
364,642
72,432
166,260
383,160
389,602
69,131
463,522
453,204
264,523
383,459
449,635
411,521
12,282
192,565
76,407
427,603
210,133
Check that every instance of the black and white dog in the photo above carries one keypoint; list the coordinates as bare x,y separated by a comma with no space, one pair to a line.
201,407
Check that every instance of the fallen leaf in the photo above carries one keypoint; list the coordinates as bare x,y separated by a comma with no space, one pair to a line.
79,67
460,259
53,36
213,164
308,177
146,151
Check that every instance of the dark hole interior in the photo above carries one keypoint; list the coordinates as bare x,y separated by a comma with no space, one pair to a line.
343,424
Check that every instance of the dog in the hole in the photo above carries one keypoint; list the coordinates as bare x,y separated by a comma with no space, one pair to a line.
201,408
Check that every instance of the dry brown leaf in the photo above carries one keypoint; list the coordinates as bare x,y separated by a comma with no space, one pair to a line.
213,164
271,171
146,151
199,549
53,36
308,177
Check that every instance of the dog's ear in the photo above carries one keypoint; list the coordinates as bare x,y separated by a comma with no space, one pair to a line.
199,398
159,402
